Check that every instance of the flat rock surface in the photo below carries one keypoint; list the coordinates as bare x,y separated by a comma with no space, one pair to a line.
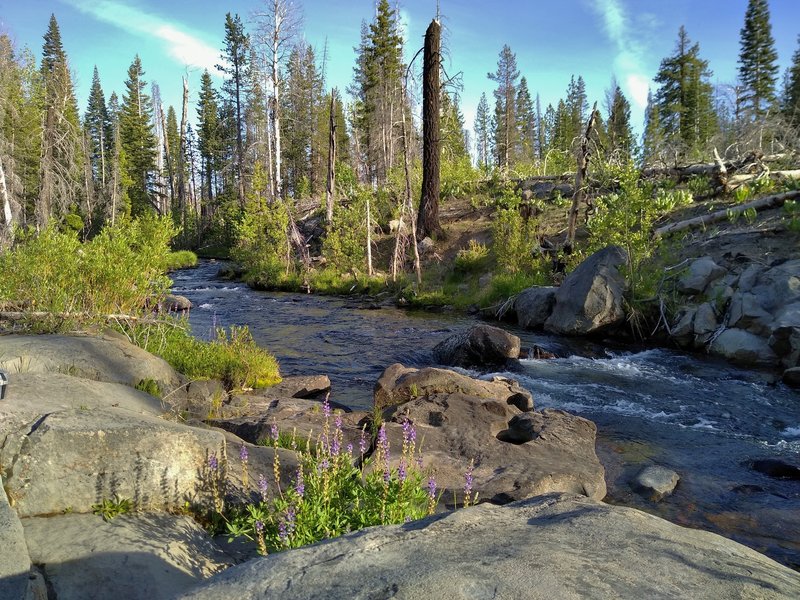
108,358
14,562
562,547
132,557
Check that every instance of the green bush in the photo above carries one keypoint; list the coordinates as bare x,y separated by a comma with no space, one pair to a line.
121,270
345,244
514,242
473,259
232,357
181,259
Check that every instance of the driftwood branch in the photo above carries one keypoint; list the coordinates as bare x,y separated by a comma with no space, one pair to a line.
721,215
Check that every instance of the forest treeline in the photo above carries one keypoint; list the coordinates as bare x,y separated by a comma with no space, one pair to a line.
265,135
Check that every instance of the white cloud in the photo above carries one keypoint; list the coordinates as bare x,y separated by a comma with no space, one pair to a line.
187,49
628,62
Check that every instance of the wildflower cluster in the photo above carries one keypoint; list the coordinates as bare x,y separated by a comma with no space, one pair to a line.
335,491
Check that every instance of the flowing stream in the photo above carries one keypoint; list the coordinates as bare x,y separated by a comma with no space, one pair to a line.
700,417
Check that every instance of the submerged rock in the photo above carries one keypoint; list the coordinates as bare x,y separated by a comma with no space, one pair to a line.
656,481
542,548
477,346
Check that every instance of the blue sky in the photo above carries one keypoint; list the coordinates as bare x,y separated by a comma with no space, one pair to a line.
552,40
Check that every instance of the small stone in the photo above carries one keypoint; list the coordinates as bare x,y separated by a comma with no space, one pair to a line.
657,481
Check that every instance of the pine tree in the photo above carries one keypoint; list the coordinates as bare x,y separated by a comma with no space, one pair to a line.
619,134
482,129
577,107
138,140
791,89
685,98
97,124
454,143
62,152
208,138
526,123
653,140
235,66
505,137
758,67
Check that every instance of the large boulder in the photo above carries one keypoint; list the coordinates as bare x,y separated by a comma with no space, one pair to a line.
743,347
399,384
135,557
71,459
591,297
543,548
15,564
477,346
699,274
109,357
534,305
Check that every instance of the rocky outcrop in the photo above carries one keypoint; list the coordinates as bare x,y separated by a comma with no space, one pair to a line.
515,453
135,557
477,346
749,314
110,358
543,548
399,384
590,299
534,305
15,564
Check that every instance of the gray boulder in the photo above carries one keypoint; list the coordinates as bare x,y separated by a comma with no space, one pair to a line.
175,303
15,564
743,347
477,346
135,557
534,305
683,329
746,312
542,548
590,299
71,459
656,481
399,384
705,322
699,274
109,358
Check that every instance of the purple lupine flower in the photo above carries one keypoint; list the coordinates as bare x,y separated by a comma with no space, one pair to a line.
407,519
387,474
326,407
213,463
323,465
338,422
406,431
243,455
401,470
282,532
286,526
350,449
336,446
468,480
383,442
300,486
262,487
412,435
431,487
259,526
362,442
274,431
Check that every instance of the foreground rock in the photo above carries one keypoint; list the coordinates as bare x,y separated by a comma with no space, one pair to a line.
590,299
109,358
551,547
15,565
515,453
135,557
477,346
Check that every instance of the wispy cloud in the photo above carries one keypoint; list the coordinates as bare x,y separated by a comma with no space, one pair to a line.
184,47
629,59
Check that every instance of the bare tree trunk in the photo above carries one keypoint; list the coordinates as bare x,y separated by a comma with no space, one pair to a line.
369,239
580,175
428,218
7,214
331,163
182,161
168,158
276,121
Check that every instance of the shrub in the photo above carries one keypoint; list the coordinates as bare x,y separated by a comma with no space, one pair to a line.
262,241
345,244
514,240
181,259
472,259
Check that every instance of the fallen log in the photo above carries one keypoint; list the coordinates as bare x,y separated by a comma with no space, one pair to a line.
721,215
23,315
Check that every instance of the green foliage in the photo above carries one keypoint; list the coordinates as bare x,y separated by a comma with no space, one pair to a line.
345,244
758,60
181,259
791,209
108,508
742,194
514,241
458,177
505,285
473,259
750,215
331,496
232,356
119,271
699,185
149,386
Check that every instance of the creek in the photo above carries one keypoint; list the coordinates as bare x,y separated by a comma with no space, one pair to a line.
701,417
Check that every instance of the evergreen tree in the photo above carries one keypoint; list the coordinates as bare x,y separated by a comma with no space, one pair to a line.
653,141
526,123
619,134
454,143
791,89
540,136
208,138
577,107
758,67
235,66
62,152
482,129
505,131
138,140
97,123
685,98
